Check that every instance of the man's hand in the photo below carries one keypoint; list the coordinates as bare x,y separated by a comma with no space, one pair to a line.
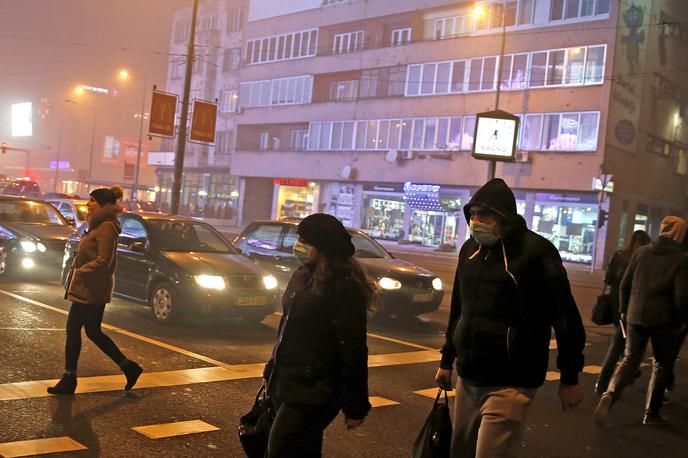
351,423
443,378
570,396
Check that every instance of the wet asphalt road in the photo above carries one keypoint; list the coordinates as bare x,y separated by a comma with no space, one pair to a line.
32,339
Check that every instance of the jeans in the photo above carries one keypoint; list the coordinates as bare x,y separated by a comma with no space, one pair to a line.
663,337
489,421
298,430
614,353
90,317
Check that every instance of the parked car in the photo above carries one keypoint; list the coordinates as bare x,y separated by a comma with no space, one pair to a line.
180,266
25,188
140,206
32,236
61,196
74,211
405,289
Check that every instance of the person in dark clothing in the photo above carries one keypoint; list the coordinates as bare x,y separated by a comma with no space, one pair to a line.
89,288
319,364
615,271
654,305
509,291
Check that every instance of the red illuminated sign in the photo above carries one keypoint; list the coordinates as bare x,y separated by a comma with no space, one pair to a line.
290,182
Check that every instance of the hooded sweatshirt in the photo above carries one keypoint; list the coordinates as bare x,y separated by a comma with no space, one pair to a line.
505,301
654,289
92,281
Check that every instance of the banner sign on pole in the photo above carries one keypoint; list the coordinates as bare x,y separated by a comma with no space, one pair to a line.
203,121
495,136
163,114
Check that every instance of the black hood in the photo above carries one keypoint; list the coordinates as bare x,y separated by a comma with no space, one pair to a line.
496,196
664,245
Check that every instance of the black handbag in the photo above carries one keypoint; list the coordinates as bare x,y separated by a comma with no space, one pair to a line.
434,439
254,427
603,312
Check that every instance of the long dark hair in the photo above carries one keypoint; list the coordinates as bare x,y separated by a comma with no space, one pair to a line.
638,239
333,274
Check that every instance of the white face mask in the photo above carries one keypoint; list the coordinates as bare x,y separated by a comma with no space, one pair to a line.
302,251
482,233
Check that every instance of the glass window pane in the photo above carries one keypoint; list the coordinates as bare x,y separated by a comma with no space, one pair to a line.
348,135
394,130
265,87
568,132
455,133
572,7
518,71
418,128
288,46
550,132
602,7
475,73
383,135
361,134
428,78
255,94
313,43
443,78
314,136
587,134
337,135
458,76
587,8
325,135
532,133
468,132
555,68
371,138
594,64
489,73
526,12
575,66
557,10
430,130
442,131
538,69
406,127
413,81
506,72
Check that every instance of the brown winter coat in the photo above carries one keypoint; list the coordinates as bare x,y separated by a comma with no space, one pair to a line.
93,279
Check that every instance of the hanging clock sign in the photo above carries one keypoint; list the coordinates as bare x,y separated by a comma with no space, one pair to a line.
495,136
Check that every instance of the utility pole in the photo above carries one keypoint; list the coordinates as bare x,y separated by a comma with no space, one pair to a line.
59,148
181,139
492,164
135,187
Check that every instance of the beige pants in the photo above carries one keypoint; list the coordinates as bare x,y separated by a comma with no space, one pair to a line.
489,421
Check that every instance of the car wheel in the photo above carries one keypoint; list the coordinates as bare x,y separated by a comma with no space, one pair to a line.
163,303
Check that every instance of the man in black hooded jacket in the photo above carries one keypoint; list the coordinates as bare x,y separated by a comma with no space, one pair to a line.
510,290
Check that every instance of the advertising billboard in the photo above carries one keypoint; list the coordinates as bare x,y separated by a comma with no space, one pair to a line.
22,124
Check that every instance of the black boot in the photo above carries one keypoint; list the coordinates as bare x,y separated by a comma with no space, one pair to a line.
132,371
653,403
66,385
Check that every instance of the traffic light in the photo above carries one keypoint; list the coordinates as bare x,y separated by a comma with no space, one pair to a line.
602,218
4,147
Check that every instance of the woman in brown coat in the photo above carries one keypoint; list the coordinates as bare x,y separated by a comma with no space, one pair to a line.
89,287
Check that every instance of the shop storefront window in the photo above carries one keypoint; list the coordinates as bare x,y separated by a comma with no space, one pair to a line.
570,227
383,217
296,202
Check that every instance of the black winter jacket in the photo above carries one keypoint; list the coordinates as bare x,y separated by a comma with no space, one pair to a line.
615,272
505,301
655,287
321,355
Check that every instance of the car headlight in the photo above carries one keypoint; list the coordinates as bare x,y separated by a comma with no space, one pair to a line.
389,283
41,247
210,281
270,282
437,284
28,246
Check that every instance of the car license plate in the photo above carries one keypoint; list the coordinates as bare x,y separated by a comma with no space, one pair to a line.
425,297
252,300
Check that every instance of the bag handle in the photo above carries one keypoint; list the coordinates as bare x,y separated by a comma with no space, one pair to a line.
439,393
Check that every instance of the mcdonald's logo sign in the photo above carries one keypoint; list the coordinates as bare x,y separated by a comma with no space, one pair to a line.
163,114
203,121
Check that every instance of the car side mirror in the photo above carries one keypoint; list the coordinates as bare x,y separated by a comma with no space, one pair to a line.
70,220
138,247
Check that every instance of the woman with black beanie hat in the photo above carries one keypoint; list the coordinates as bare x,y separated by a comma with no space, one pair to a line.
319,365
89,287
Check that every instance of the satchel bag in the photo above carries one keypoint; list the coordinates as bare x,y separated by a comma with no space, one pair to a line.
603,312
254,427
434,439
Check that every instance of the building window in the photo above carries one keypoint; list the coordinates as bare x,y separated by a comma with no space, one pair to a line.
207,23
344,90
286,46
177,68
574,9
453,26
280,91
224,143
229,101
198,64
235,20
264,141
382,82
232,59
348,42
681,161
400,36
181,31
298,140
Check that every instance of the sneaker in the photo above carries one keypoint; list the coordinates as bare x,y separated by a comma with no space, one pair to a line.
602,410
655,419
132,371
66,385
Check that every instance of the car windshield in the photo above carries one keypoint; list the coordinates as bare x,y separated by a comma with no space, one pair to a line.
367,248
188,236
30,212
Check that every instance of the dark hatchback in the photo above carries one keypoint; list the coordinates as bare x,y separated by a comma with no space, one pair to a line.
32,237
180,267
404,289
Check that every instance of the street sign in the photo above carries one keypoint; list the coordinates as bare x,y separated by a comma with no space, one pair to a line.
495,136
163,114
203,121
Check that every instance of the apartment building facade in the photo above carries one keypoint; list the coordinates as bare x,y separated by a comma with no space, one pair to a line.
366,109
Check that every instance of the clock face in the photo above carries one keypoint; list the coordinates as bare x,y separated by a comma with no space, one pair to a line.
495,137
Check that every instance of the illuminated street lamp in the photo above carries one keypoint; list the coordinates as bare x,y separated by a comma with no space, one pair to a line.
123,75
79,90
